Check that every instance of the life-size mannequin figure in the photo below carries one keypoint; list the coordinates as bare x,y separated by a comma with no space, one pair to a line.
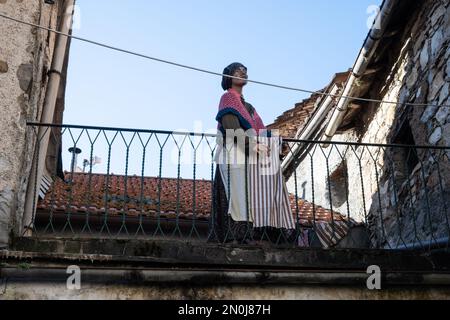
246,202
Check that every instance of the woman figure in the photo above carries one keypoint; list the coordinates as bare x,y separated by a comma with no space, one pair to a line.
244,198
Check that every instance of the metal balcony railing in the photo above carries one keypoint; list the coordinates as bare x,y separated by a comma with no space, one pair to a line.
131,183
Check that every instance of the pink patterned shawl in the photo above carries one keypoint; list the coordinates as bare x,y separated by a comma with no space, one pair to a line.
231,103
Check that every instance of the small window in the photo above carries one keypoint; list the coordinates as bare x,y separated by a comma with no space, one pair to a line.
405,159
338,186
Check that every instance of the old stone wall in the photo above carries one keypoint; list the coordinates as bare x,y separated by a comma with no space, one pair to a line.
403,194
414,194
25,57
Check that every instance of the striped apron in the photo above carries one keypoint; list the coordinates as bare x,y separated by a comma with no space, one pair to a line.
269,197
266,198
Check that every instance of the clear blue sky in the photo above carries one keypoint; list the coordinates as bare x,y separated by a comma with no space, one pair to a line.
296,43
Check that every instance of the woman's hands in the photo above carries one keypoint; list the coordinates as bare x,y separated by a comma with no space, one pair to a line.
262,149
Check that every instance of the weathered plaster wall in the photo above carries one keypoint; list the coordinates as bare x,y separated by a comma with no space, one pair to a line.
44,291
25,57
416,207
312,177
179,269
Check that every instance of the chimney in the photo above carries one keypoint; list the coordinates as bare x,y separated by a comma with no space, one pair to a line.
75,152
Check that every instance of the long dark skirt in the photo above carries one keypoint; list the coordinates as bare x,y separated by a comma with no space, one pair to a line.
222,227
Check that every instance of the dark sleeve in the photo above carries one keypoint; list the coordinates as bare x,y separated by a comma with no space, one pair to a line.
231,121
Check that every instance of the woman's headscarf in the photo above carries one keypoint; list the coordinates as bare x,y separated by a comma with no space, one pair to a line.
229,71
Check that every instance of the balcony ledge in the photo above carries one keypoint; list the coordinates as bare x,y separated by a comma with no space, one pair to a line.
278,263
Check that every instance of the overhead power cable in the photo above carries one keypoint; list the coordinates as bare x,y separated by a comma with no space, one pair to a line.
110,47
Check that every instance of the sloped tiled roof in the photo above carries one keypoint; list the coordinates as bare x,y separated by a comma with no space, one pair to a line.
295,119
88,193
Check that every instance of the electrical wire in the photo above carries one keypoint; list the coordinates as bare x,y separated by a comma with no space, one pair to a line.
110,47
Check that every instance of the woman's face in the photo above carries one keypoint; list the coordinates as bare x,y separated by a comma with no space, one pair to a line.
241,73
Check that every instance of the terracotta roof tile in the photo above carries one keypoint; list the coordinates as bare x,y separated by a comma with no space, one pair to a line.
87,193
295,119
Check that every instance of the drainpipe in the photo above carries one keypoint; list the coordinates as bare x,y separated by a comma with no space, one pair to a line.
48,112
311,127
370,45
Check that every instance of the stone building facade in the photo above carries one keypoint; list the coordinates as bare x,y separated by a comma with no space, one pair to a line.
25,59
401,194
416,203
